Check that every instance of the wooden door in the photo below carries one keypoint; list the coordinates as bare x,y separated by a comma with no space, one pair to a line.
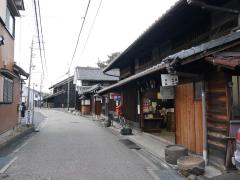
188,119
98,107
217,113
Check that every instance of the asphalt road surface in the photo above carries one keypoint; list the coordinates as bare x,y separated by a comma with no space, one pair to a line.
71,147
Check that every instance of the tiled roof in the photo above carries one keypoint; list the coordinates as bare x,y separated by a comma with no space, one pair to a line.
65,81
95,74
201,50
92,89
53,95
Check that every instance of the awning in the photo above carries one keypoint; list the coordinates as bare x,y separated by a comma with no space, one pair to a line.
8,73
18,70
81,89
227,62
82,97
195,53
135,77
92,89
55,94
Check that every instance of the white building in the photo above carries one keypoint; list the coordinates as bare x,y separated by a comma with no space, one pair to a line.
34,96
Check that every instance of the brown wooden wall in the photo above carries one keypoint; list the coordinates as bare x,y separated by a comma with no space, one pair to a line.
188,119
130,104
86,109
98,107
217,113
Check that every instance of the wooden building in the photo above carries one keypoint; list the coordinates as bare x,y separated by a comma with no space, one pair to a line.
198,102
95,104
88,80
58,99
10,73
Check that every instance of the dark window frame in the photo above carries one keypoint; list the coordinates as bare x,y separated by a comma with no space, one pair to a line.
7,91
235,97
9,16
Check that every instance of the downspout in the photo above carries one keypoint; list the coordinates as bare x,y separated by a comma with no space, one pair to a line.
204,124
139,107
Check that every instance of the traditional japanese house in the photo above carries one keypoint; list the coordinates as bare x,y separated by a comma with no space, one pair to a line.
59,97
88,80
182,77
10,73
95,101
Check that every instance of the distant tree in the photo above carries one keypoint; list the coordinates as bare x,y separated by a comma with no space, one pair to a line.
103,64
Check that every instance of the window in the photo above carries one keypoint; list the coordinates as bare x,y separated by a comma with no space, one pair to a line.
10,22
6,87
236,97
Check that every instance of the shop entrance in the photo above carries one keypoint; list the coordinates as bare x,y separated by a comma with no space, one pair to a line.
189,131
158,114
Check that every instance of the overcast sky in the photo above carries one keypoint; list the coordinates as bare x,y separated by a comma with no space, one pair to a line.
118,24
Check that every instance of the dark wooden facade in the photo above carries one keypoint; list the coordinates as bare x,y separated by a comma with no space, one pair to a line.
129,102
60,92
170,34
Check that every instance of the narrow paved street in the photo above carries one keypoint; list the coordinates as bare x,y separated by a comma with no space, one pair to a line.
73,147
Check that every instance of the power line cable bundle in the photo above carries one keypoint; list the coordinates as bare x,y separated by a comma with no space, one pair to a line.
38,20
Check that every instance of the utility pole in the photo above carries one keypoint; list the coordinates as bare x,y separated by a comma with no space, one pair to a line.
33,94
29,84
68,89
41,91
29,78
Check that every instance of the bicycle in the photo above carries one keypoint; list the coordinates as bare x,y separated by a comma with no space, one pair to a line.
122,121
125,130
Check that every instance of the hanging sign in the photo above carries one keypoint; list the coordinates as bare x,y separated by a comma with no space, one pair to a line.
169,80
114,95
87,102
117,98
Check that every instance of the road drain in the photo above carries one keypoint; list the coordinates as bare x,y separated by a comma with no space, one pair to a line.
129,144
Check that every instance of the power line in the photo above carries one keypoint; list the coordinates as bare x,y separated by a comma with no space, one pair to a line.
40,21
36,17
59,77
89,33
80,32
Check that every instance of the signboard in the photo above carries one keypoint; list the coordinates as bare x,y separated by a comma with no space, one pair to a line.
114,95
117,98
169,80
28,117
87,102
167,92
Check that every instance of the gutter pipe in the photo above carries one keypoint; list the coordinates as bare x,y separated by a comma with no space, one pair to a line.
204,124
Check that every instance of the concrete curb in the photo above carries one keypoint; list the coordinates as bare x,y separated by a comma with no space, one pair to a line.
16,138
159,139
